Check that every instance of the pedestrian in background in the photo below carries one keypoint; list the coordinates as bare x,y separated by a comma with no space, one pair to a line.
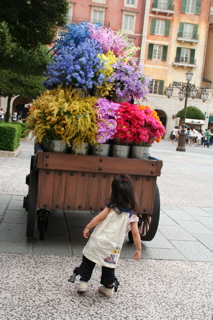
1,114
106,241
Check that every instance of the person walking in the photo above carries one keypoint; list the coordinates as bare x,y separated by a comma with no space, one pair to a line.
207,137
106,241
1,114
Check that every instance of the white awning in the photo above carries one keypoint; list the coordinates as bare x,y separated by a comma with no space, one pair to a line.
194,121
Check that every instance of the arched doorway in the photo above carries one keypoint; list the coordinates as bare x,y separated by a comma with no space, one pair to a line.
162,115
19,104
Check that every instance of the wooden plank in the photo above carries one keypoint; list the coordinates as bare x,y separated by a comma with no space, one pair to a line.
83,163
81,193
148,195
70,190
92,200
45,189
58,190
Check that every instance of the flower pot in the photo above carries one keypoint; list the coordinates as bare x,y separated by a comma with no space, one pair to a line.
54,146
121,151
139,152
82,149
101,150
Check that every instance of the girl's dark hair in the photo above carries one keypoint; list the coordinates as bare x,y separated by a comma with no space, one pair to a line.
123,195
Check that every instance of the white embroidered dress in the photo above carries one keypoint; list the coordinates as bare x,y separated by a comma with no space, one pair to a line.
106,241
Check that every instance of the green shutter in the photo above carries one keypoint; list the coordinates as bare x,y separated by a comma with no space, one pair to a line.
164,55
195,29
153,24
181,29
178,52
161,86
167,28
192,56
170,4
183,9
150,51
197,9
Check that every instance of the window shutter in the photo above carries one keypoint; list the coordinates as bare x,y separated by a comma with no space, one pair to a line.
155,4
164,55
183,9
170,4
192,56
167,28
178,52
195,29
150,51
181,29
153,24
161,86
197,9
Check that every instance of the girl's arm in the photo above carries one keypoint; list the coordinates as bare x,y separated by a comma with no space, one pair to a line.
96,220
137,240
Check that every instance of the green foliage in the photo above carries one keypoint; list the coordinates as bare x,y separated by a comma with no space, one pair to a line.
23,126
31,23
191,113
26,86
10,135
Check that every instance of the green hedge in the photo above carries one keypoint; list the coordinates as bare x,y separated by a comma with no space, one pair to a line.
10,135
23,128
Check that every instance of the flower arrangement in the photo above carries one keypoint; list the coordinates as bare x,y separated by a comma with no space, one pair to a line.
79,66
106,119
90,56
62,115
129,81
137,125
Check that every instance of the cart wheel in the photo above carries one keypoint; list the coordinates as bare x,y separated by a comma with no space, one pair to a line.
130,237
42,226
148,224
32,162
25,202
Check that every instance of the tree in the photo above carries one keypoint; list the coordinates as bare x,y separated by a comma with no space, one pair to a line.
32,23
13,84
191,113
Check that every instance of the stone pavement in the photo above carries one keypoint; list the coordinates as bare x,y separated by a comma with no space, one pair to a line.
173,280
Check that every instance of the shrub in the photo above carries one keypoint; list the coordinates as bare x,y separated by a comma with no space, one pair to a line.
10,135
191,113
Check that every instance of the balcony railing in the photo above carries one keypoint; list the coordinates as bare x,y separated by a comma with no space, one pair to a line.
188,37
162,7
185,62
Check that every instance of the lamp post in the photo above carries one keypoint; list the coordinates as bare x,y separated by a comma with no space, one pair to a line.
185,92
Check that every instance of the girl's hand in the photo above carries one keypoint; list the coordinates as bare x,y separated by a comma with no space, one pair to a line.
137,255
86,233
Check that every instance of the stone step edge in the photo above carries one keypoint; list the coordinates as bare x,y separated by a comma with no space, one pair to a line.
4,153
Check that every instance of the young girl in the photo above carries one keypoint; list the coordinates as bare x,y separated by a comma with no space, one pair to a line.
106,241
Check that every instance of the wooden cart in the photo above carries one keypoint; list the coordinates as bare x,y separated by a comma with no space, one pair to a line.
80,182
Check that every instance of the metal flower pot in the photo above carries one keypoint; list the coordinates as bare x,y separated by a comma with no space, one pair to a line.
82,149
54,146
121,151
139,152
101,150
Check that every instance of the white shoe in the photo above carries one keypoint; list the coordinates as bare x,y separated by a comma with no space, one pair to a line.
108,292
82,287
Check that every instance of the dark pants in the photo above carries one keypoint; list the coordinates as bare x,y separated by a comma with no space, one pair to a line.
86,268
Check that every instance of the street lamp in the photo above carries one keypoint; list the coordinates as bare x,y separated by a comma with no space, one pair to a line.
185,92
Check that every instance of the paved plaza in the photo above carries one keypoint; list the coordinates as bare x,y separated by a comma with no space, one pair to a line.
173,280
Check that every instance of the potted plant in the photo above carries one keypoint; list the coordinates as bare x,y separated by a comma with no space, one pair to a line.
62,115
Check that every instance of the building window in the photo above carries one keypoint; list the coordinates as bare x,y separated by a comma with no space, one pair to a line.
97,15
160,27
185,55
99,1
156,86
69,13
188,31
128,24
191,6
131,3
157,52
